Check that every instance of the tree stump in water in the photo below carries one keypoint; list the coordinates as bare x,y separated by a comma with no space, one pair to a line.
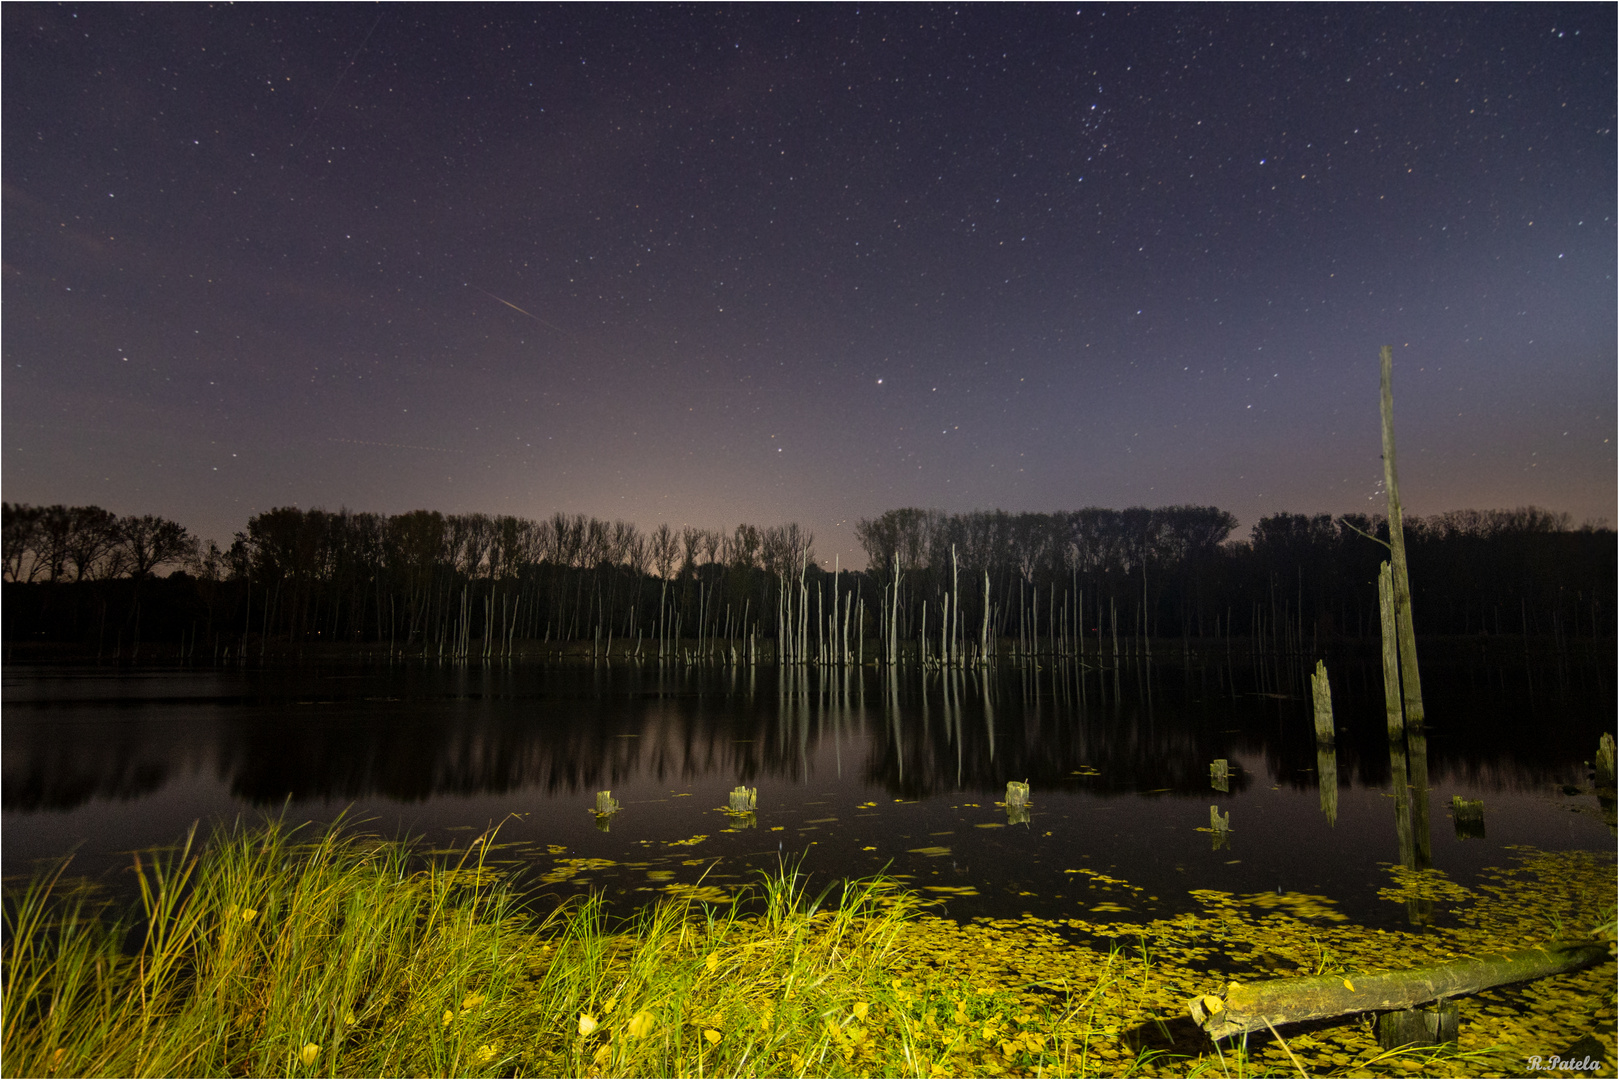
744,800
1220,826
1220,775
1321,693
1469,817
605,803
1605,762
1017,802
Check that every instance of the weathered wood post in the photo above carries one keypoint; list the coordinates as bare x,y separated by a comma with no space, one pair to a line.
1321,693
1391,654
1017,802
1220,775
744,800
1410,680
1468,815
606,807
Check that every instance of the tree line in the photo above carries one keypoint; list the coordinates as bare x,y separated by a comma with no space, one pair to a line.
947,588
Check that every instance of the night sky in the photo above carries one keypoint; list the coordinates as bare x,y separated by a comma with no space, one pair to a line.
773,264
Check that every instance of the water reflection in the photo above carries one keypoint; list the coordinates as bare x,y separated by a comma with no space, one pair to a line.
418,734
607,774
1326,770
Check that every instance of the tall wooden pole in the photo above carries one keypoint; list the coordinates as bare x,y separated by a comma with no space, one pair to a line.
1410,681
1391,655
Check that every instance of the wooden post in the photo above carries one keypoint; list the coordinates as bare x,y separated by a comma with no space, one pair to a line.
893,618
1410,680
1469,817
1391,655
1017,794
1321,691
1605,763
744,800
1220,827
606,807
984,653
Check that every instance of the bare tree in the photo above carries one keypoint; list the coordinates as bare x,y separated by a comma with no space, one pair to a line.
742,551
638,555
92,533
625,536
691,540
22,535
149,541
597,544
665,550
55,532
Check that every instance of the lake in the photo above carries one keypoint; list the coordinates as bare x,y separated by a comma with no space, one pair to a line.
857,771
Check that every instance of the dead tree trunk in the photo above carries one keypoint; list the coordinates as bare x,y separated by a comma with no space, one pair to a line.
1249,1006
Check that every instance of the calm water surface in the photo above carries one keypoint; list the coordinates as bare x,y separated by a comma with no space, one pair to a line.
856,772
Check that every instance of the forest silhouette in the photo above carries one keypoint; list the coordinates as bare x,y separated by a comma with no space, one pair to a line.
939,587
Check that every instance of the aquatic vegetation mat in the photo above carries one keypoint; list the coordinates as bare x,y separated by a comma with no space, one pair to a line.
270,951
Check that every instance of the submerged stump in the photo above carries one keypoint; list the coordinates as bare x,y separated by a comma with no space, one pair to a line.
1469,817
1321,694
1605,763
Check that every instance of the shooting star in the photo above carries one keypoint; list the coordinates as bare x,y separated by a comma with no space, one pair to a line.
394,446
515,308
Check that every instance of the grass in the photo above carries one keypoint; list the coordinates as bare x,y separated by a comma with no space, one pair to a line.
274,951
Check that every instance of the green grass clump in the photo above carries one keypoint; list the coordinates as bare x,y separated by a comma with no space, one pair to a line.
270,951
265,953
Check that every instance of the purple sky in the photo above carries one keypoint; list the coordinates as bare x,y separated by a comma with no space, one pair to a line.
772,263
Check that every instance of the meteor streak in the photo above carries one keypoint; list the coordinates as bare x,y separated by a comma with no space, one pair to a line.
514,307
395,446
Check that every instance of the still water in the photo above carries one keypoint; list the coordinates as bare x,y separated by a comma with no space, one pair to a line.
856,772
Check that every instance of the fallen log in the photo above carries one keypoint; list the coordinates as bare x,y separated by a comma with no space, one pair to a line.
1250,1006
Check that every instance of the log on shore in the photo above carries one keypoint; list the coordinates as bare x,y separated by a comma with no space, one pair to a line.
1248,1006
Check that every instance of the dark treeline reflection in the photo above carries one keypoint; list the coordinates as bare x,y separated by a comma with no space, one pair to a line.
418,732
947,589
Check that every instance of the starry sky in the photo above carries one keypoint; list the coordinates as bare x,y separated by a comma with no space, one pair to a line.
721,264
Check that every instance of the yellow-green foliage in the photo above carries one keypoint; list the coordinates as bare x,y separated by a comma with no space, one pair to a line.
268,954
263,956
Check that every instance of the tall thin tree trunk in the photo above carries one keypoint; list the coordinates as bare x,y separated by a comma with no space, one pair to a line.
1410,680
